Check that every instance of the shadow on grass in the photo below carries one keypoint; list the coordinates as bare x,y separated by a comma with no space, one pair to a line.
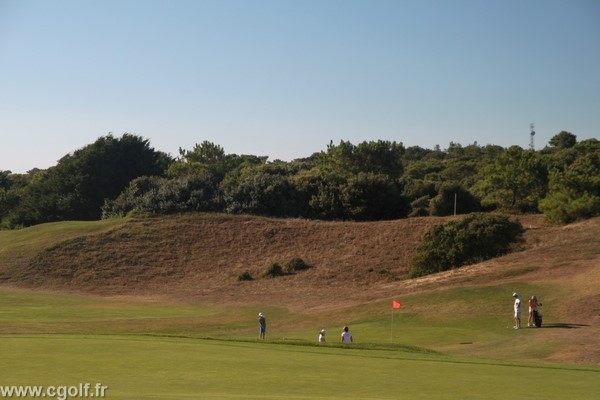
564,326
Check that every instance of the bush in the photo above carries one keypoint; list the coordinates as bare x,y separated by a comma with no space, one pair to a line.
560,208
473,239
245,276
156,195
273,271
443,204
296,264
420,207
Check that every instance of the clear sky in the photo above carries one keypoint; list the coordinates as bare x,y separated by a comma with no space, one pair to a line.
282,78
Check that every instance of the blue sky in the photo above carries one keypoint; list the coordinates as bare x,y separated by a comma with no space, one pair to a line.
282,78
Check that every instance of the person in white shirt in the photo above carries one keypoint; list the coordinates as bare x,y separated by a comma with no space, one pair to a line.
322,335
517,308
262,325
346,336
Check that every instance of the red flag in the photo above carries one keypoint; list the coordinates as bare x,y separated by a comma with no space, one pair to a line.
395,305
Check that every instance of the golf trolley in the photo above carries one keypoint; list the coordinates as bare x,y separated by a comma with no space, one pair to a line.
537,317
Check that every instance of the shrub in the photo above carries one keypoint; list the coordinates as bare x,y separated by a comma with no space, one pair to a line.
296,264
273,271
560,208
420,207
245,276
156,195
473,239
444,202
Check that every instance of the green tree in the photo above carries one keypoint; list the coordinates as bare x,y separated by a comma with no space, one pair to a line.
77,187
416,188
563,140
11,191
5,180
378,157
307,184
461,171
575,192
327,202
206,158
426,169
261,190
414,153
516,181
420,207
450,194
369,196
158,195
205,152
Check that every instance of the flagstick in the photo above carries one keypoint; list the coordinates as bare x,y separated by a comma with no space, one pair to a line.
392,330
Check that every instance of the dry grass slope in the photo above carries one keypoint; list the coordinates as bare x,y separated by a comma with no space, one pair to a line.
198,254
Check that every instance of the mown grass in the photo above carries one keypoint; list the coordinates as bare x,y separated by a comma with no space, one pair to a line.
135,367
145,349
454,321
452,342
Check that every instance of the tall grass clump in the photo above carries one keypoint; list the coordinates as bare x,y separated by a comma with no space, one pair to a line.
296,264
245,276
273,270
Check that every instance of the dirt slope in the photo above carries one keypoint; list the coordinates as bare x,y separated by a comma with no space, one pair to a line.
198,254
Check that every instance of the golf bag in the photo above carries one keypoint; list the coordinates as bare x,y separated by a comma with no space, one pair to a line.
537,318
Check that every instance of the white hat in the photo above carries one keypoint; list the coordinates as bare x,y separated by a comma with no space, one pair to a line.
322,330
515,294
260,314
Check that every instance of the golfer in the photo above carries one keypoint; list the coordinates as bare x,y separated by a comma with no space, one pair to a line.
262,325
346,335
322,335
533,305
517,308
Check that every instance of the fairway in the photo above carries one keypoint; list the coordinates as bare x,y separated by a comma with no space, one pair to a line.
135,367
160,351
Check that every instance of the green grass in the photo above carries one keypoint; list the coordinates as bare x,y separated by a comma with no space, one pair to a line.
179,368
18,246
451,321
40,235
152,350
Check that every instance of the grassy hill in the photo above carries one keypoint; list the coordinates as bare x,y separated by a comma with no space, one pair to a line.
357,268
197,254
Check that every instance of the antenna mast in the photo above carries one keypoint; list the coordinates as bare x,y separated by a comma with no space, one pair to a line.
531,135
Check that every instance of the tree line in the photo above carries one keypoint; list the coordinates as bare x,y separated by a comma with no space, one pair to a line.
372,180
